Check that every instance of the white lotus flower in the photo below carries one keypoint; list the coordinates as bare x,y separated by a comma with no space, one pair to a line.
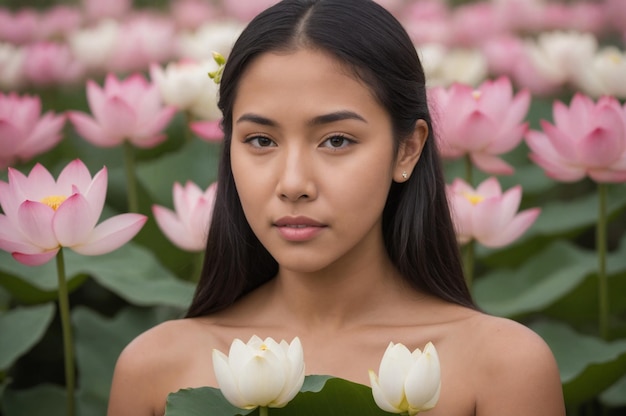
94,46
216,36
605,74
186,85
260,373
407,382
11,66
557,55
444,66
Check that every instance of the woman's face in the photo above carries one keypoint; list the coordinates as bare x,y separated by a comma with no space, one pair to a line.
313,160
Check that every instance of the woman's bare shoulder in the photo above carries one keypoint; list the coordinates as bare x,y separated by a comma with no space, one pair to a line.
157,362
171,333
515,369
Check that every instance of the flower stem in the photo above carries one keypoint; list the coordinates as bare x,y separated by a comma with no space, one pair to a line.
468,263
68,345
263,411
469,177
198,264
601,247
131,180
188,132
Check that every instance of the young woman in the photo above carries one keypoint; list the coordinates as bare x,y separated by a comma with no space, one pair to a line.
331,224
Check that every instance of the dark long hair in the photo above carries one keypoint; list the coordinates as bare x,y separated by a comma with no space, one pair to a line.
418,232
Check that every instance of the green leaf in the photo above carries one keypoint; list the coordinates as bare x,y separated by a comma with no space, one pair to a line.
201,402
314,383
100,340
131,272
42,400
21,329
34,288
580,307
588,365
135,274
615,395
581,212
196,161
538,283
3,386
338,397
320,395
47,400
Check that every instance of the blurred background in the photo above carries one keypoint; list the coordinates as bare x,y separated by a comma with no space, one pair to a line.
563,274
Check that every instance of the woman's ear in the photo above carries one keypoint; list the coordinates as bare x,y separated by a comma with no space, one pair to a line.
410,151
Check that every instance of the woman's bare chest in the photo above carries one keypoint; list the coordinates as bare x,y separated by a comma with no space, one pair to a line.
348,356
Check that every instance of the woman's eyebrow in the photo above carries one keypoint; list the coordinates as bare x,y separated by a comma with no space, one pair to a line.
316,121
336,116
257,119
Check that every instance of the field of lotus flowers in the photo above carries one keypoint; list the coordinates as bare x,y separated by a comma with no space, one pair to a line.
109,141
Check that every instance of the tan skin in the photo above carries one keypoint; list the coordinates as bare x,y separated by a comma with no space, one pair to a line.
336,290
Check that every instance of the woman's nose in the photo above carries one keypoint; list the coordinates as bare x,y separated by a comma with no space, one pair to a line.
296,177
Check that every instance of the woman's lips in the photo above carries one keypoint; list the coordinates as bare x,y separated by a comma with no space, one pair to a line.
298,228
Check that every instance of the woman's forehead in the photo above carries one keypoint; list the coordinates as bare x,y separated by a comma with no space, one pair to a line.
303,78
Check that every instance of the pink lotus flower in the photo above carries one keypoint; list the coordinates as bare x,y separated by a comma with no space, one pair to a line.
191,14
24,133
245,10
58,21
123,110
584,17
509,55
42,215
475,23
210,131
481,123
587,139
114,9
142,40
487,215
19,27
188,225
49,63
427,21
615,13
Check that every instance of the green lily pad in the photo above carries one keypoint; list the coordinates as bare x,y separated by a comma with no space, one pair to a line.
563,216
320,395
21,329
131,272
535,285
580,306
42,400
196,161
99,342
588,365
615,396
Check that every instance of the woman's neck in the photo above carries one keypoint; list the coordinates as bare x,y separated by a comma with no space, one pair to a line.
338,297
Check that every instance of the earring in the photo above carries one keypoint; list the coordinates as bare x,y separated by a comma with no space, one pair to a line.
405,175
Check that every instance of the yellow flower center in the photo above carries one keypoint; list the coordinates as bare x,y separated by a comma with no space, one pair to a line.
264,347
474,199
54,201
616,58
476,94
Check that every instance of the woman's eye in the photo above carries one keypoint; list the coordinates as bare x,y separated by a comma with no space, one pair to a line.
260,141
337,142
